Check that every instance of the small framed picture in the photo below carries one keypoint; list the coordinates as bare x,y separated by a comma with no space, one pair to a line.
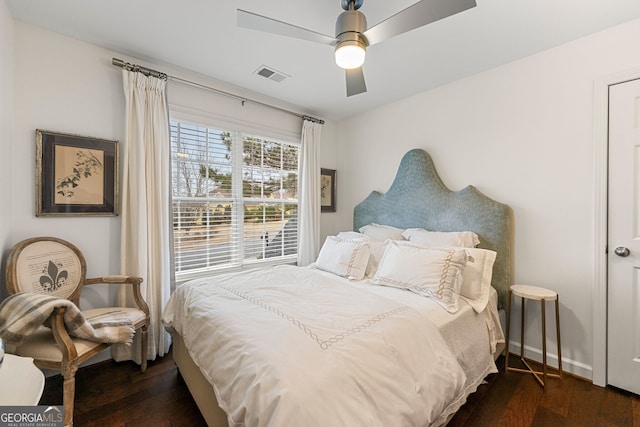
76,175
327,190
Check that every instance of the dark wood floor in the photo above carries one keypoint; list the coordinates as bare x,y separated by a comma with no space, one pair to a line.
515,400
117,394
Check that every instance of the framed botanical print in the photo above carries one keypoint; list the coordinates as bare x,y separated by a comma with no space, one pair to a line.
76,175
327,190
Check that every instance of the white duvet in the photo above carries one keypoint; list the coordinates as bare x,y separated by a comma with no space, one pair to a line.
292,346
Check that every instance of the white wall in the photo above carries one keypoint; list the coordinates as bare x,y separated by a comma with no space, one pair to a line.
6,130
65,86
523,134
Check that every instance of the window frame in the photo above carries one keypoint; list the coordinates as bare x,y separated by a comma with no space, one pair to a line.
237,196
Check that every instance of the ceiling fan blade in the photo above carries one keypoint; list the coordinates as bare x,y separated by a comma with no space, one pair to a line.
422,13
355,81
254,21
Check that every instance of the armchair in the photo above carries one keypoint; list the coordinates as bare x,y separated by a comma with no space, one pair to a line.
55,267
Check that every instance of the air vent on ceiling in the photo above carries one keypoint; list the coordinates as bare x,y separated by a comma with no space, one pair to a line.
271,74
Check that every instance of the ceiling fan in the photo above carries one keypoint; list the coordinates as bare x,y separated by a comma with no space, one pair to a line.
352,35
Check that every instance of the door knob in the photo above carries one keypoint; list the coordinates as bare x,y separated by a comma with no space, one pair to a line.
622,251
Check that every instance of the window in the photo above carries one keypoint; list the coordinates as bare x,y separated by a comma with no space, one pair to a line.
235,198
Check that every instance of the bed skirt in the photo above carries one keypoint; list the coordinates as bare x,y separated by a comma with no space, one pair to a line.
198,385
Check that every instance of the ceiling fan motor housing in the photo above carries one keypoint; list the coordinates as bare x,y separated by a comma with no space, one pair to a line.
349,28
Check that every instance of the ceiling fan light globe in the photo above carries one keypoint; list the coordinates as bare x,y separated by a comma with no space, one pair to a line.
350,55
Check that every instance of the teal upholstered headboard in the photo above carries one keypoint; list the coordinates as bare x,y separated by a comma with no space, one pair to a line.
418,198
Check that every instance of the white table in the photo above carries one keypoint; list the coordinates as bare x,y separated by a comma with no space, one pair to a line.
21,382
543,295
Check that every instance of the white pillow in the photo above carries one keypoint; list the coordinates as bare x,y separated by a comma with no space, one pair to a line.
476,277
442,239
344,257
435,273
376,249
382,232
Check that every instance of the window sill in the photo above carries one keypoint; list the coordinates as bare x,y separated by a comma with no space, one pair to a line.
184,277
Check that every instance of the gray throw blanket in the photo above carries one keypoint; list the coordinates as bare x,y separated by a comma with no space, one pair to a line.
22,313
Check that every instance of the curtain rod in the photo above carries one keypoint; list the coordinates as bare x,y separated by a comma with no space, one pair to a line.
149,72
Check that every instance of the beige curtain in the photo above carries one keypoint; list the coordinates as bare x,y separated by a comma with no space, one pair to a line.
146,204
309,222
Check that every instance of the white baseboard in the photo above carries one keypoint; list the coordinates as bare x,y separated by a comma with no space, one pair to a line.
568,365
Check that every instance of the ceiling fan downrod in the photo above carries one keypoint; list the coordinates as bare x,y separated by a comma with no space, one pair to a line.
348,4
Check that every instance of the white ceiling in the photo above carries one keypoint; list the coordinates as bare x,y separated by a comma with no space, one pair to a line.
202,36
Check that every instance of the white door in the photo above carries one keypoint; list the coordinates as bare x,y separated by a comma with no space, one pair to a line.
623,349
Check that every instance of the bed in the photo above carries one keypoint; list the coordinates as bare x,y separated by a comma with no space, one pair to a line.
318,346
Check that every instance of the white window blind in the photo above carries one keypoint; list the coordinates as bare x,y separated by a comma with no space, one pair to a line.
235,198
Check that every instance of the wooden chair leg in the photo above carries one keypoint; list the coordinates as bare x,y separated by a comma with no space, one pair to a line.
68,394
143,348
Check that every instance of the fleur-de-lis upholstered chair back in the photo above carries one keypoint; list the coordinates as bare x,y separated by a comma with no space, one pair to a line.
42,318
47,265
